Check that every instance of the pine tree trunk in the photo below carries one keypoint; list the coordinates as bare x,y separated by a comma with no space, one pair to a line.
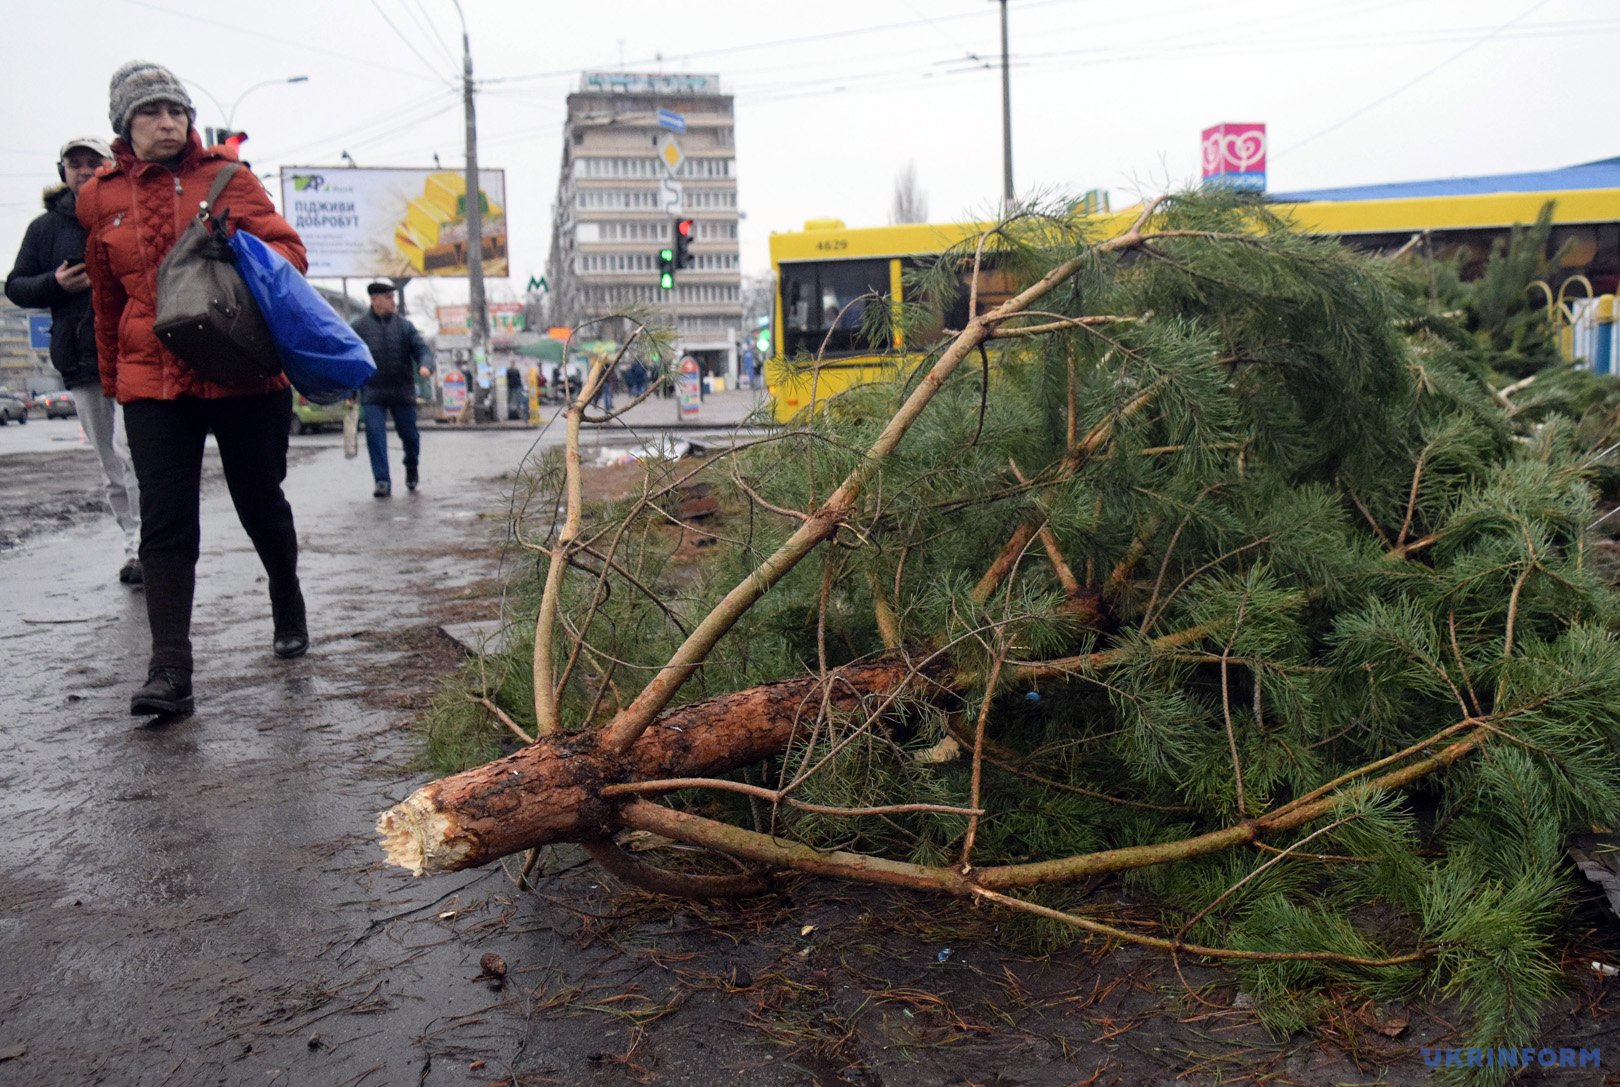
551,791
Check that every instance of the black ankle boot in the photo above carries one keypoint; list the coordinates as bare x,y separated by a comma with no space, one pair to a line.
167,690
292,633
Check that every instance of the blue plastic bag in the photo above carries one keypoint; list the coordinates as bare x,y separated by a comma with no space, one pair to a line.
324,358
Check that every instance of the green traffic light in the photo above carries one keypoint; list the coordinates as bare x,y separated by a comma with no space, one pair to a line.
666,254
667,281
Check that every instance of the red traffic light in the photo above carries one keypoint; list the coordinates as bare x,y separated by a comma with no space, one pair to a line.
234,140
683,244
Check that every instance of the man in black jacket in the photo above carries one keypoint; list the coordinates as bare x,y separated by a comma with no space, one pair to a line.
49,274
400,354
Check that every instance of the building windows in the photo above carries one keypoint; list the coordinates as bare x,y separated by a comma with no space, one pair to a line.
696,199
711,231
650,168
652,230
707,293
618,199
706,325
614,263
619,263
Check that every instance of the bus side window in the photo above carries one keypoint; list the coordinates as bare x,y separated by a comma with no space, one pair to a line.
995,287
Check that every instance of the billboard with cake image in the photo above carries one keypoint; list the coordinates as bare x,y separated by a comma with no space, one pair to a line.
397,223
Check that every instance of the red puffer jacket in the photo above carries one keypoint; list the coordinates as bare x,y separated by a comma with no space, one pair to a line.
135,211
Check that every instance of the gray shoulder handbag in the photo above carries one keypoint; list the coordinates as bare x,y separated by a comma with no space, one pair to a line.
205,314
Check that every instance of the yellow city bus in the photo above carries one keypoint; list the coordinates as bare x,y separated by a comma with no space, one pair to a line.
825,276
824,272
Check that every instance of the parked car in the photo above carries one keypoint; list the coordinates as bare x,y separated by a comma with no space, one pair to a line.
12,407
309,417
59,405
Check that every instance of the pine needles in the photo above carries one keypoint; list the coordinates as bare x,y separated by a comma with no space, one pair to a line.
1227,569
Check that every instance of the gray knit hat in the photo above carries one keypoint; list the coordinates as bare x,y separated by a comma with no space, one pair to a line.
140,83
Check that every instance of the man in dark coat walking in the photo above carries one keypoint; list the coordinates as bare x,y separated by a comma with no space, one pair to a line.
50,274
400,354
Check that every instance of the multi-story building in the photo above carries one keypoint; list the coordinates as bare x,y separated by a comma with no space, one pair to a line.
642,151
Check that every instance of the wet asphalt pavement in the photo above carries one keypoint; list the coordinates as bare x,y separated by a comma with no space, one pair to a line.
202,901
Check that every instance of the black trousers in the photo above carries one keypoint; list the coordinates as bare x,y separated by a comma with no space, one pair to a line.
166,439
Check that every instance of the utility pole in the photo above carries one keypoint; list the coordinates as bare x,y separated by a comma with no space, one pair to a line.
1006,120
478,310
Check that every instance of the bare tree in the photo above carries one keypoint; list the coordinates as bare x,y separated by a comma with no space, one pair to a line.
758,298
910,202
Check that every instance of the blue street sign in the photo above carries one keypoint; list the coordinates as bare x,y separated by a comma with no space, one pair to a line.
39,331
675,122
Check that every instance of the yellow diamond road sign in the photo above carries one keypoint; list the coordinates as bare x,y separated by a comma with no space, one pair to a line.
670,153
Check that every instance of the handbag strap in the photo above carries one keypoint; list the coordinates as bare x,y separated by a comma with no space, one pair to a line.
221,179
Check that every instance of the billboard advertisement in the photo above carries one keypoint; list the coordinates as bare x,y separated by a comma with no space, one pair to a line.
1235,155
505,320
364,222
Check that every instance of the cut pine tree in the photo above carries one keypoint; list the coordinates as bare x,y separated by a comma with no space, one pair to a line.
1215,559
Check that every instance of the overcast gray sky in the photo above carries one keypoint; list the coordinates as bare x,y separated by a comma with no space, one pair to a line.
833,98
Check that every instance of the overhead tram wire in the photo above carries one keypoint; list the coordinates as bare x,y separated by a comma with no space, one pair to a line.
364,129
425,22
404,127
861,77
1310,17
258,35
1201,42
361,132
1266,47
831,35
934,25
863,81
1239,46
1414,81
803,39
401,36
1224,46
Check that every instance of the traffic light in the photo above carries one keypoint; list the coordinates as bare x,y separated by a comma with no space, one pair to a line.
224,137
683,244
666,268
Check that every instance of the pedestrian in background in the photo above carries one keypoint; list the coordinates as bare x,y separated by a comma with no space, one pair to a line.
400,354
50,274
610,385
135,210
517,397
635,377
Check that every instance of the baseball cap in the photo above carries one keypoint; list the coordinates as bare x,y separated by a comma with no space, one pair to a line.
89,143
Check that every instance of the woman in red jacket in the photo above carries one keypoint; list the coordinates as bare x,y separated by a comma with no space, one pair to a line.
134,211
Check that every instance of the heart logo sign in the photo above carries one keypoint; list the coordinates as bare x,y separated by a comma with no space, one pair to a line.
1234,149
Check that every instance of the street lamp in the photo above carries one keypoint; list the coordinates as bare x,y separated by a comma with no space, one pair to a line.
230,118
230,114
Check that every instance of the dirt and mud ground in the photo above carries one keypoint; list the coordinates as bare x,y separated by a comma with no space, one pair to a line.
203,901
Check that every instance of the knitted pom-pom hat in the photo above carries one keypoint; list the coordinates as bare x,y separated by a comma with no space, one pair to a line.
140,83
